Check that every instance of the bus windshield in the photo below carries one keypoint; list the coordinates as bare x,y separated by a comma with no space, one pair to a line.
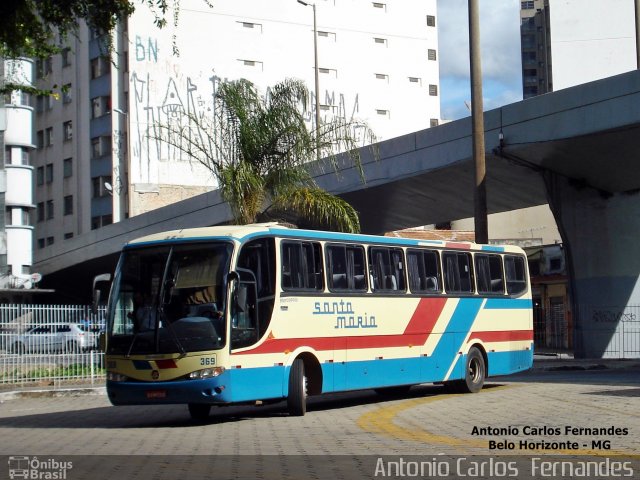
169,299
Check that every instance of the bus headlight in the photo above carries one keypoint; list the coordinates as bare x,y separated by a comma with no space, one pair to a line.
116,377
207,373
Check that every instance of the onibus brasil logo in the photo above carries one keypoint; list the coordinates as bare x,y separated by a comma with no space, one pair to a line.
41,469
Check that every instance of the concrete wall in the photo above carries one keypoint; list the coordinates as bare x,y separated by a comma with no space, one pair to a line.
601,235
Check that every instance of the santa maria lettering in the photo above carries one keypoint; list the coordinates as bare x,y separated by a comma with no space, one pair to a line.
345,315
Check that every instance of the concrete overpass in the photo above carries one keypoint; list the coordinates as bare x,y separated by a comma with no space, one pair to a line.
576,149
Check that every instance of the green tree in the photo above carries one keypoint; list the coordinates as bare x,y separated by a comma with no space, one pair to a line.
260,151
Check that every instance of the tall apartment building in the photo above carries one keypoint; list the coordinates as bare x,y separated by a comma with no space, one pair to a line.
16,180
570,42
96,161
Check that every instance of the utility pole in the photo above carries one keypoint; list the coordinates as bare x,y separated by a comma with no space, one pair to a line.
477,120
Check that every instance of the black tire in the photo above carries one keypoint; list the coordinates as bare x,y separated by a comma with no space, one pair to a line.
297,398
199,411
72,346
475,372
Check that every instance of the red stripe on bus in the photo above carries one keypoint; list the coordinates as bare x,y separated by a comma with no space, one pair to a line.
503,336
417,331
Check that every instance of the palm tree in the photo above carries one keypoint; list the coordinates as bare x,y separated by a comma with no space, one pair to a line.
260,151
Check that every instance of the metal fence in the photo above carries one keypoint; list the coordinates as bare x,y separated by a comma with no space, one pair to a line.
50,345
614,331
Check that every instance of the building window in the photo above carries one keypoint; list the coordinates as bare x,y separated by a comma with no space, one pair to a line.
98,186
416,80
48,137
380,41
40,102
528,5
101,221
49,172
381,6
382,76
68,205
40,176
49,209
41,243
382,112
40,138
40,212
433,90
66,93
252,63
434,122
68,235
431,20
67,167
100,106
431,54
66,56
50,241
100,66
325,34
67,128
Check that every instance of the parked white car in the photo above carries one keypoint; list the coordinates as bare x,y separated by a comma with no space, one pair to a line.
55,337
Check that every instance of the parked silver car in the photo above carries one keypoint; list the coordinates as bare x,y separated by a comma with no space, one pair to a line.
55,337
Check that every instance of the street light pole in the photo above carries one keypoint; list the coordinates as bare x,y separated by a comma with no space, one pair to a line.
477,119
315,64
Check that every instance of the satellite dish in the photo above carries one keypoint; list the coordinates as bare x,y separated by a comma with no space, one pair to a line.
36,277
108,186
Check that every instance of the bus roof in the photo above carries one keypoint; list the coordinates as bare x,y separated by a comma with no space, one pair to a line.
244,232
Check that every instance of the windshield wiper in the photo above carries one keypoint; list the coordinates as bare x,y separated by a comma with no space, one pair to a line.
163,317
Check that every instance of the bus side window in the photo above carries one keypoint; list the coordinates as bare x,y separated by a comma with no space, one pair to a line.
346,267
301,266
386,269
258,256
457,272
489,274
424,271
516,274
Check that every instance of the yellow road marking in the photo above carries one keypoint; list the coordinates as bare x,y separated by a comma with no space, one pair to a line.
381,421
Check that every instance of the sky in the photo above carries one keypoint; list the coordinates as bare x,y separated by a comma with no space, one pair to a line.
500,47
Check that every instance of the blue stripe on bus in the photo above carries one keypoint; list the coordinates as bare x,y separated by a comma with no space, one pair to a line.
508,304
492,248
455,333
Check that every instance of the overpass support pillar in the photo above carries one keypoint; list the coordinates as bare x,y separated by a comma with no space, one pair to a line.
601,235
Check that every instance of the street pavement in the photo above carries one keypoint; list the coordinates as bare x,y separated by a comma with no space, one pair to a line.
578,409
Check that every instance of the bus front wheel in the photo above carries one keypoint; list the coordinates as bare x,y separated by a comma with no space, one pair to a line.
297,398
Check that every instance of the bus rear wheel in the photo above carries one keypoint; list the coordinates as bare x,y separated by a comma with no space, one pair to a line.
199,411
297,398
475,372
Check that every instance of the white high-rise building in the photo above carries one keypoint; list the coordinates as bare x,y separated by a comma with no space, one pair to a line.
97,161
570,42
16,178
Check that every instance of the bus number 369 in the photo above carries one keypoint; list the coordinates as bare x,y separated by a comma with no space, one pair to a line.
208,361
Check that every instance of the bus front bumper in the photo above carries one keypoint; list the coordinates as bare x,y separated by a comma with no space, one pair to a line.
209,390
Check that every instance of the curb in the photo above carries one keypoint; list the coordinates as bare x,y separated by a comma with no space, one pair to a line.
50,393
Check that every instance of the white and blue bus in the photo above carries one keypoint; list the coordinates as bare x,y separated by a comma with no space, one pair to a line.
235,314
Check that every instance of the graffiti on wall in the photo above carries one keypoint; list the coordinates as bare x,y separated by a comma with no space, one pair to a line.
163,94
